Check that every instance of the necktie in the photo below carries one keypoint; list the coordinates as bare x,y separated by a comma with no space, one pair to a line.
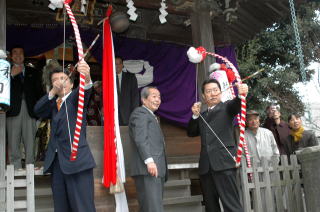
157,118
21,77
118,87
59,102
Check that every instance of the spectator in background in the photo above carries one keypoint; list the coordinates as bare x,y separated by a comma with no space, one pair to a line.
26,90
261,142
94,116
269,112
128,93
299,137
279,128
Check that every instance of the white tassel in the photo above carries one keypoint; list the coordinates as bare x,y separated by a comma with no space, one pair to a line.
194,55
55,4
214,66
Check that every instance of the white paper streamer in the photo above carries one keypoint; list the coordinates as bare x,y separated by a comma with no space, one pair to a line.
163,12
132,10
55,4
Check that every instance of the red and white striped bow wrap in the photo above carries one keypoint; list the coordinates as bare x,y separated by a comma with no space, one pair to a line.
76,137
196,56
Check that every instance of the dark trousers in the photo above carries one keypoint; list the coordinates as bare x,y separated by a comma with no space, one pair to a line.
150,193
220,184
74,192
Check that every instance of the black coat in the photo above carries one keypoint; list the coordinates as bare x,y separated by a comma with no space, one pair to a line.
28,86
220,118
129,97
308,139
59,142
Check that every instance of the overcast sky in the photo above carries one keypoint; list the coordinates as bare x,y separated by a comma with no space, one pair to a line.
311,91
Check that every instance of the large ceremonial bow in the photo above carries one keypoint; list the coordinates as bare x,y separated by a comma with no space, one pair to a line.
196,56
59,4
76,137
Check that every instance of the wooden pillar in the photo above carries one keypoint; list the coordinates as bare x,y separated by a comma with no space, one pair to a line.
309,159
2,114
202,35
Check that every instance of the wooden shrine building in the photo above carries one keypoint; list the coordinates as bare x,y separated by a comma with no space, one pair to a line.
208,23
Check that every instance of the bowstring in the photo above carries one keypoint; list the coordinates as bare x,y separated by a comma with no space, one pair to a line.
63,63
233,158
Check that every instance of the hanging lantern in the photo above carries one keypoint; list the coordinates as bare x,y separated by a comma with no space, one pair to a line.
4,82
119,22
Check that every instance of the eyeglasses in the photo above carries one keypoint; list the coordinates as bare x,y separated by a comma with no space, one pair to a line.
214,91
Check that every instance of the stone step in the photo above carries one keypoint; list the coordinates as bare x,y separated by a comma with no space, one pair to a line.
183,204
177,188
177,204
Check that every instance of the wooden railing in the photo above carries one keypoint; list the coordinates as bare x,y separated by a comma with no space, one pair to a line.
272,186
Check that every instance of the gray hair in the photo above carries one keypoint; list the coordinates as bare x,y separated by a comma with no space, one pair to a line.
145,91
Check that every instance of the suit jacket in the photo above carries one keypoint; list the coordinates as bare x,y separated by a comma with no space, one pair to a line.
213,155
59,136
129,97
147,141
308,139
28,87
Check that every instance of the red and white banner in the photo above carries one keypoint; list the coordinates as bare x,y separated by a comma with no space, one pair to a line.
113,160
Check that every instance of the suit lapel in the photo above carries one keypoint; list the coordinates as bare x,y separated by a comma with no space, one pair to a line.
154,119
214,111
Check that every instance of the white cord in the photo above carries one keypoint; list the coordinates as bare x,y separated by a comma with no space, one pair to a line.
64,91
233,158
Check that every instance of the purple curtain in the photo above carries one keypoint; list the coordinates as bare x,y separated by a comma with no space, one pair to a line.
174,75
35,40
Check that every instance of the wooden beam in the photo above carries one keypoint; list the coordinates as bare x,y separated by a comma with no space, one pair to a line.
244,14
276,10
245,35
202,35
2,115
234,34
285,6
246,29
262,12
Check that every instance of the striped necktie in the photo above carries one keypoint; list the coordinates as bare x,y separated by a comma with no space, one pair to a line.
59,102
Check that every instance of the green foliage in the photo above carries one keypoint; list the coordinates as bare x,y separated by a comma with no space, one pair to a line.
274,50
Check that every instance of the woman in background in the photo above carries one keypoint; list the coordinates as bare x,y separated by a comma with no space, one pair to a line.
299,137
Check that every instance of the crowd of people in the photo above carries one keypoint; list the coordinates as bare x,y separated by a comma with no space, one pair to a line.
215,126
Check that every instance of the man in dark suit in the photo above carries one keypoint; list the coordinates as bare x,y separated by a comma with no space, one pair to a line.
148,159
216,166
72,181
26,90
128,94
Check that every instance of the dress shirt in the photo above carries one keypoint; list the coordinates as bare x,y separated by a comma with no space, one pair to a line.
120,78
